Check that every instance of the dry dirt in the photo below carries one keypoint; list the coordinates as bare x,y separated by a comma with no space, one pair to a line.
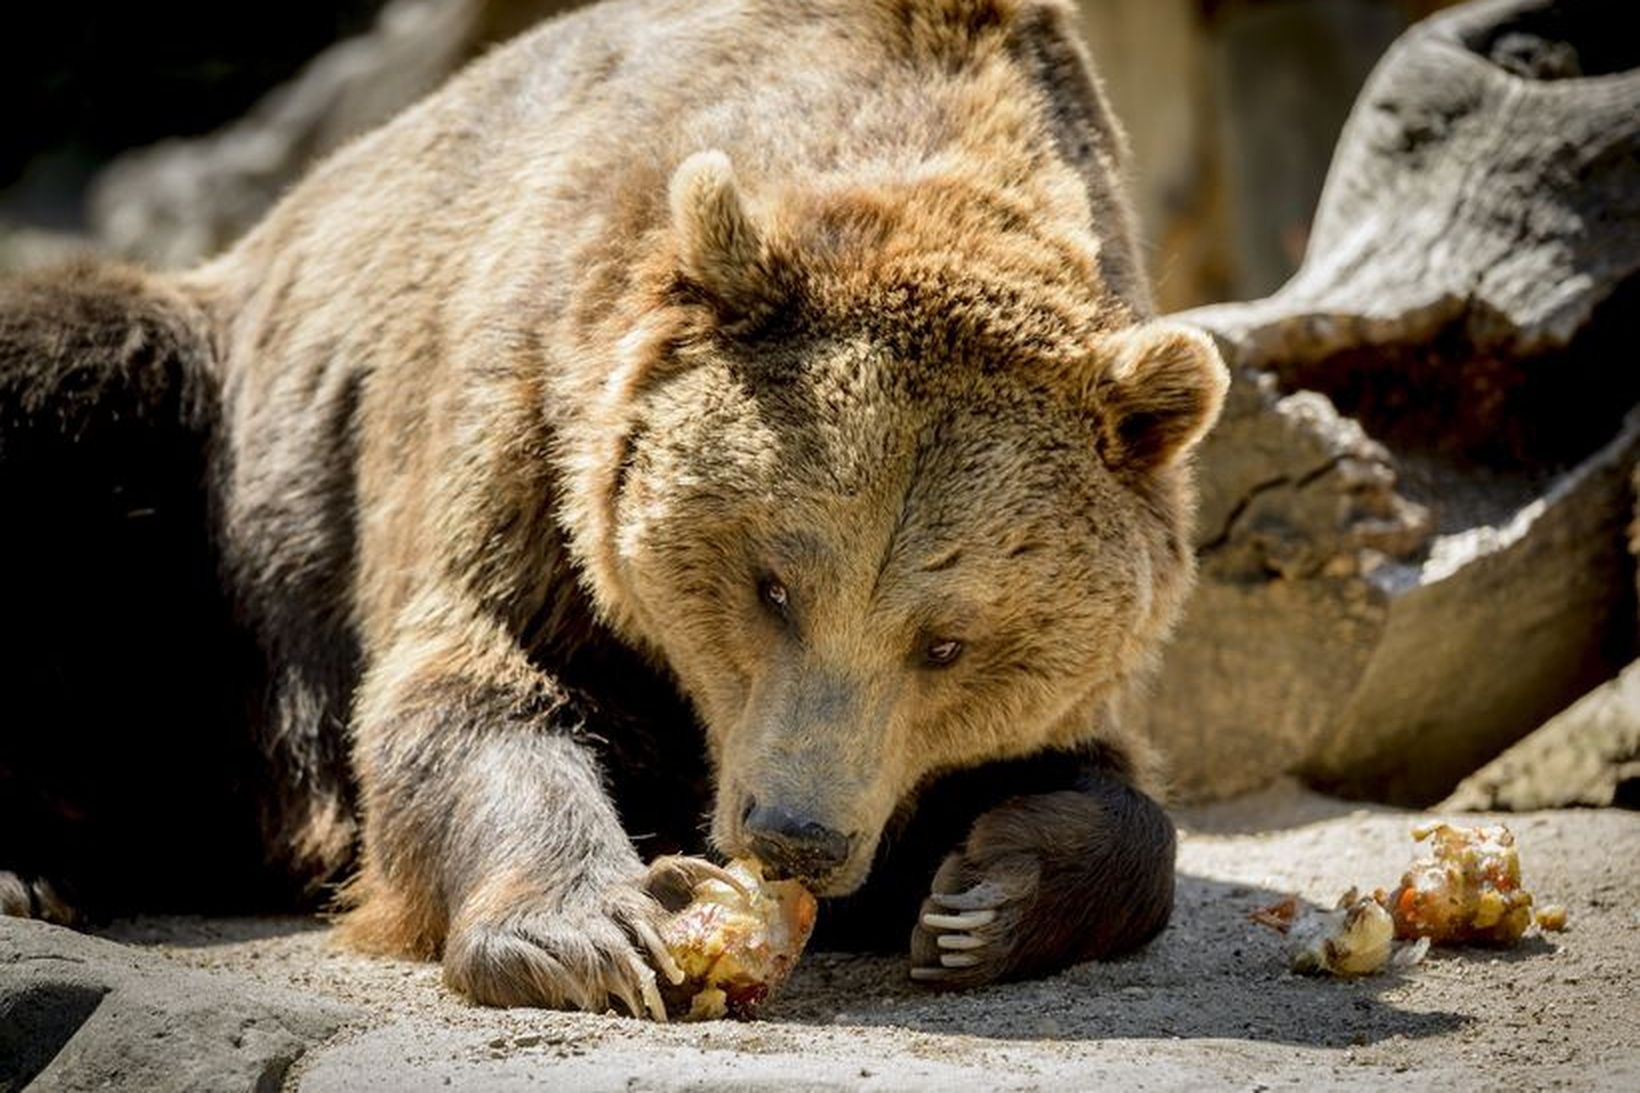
1209,1003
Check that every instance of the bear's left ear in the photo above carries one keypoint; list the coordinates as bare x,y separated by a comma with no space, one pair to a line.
721,251
1160,389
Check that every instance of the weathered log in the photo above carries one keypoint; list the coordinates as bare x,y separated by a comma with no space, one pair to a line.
1389,601
1484,180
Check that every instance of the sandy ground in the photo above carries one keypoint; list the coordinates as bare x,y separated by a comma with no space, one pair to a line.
1209,1003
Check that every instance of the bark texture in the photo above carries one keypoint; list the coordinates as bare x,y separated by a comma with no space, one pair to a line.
1413,528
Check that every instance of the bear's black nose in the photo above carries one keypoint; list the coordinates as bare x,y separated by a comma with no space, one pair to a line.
794,846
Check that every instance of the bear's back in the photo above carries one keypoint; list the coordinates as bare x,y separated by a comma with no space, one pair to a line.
454,286
494,198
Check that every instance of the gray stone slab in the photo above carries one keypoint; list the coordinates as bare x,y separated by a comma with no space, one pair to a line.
78,1012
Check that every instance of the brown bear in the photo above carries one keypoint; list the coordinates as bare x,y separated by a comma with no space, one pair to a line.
730,408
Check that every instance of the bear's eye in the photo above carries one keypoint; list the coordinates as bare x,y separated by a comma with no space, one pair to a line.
774,595
943,652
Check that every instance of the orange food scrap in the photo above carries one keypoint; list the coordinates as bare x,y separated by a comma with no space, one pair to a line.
1277,916
1467,890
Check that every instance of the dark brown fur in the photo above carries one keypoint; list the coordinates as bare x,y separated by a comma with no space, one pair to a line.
509,416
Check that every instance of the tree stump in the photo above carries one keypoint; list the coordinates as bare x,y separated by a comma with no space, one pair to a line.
1413,527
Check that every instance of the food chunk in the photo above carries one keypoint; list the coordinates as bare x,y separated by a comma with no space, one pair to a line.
1355,939
1552,918
735,946
1467,890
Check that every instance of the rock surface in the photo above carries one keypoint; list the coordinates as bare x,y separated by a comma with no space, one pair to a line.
1210,1003
1588,754
78,1012
1413,527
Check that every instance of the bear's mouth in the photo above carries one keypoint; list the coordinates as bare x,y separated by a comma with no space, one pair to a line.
790,846
841,881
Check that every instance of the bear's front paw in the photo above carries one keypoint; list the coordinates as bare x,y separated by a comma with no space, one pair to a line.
527,949
973,922
1045,881
515,946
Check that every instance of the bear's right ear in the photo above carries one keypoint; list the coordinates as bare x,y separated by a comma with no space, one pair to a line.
721,252
1159,390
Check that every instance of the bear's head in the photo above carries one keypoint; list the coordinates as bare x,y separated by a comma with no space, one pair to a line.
900,489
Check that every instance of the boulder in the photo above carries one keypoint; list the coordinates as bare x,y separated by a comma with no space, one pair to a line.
1588,754
78,1012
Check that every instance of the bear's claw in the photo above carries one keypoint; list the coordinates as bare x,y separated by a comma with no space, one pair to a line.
966,921
1043,882
983,896
973,917
671,879
959,941
658,951
965,938
518,952
959,948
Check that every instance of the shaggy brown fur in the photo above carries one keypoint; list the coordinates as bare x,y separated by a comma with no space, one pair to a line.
781,369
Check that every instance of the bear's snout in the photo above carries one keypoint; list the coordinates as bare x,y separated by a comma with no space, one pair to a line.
793,845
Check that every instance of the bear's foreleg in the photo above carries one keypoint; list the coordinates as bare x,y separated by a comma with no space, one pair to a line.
1045,881
490,839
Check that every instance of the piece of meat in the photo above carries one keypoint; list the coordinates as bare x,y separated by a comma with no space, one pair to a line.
1278,916
1466,891
1552,918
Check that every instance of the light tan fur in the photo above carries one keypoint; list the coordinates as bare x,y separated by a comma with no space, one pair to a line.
656,304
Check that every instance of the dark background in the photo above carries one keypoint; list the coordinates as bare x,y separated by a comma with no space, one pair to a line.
1232,107
89,78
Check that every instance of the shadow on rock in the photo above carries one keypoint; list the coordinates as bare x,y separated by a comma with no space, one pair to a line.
36,1021
90,1014
1213,974
1282,806
196,932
